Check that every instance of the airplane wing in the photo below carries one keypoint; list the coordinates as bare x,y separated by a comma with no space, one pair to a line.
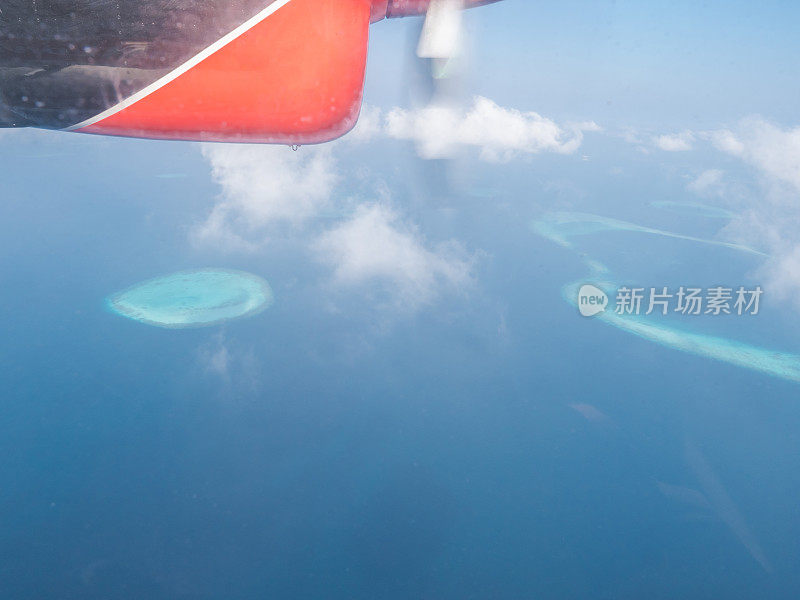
280,71
271,71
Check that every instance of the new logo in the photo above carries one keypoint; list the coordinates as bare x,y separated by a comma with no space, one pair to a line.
591,300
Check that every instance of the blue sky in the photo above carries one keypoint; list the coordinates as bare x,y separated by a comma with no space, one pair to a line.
633,63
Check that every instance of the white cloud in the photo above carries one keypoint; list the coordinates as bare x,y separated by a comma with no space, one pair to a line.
675,142
774,151
500,133
216,360
630,135
709,182
726,141
269,190
368,126
236,368
782,275
375,246
265,186
262,186
766,219
771,217
769,223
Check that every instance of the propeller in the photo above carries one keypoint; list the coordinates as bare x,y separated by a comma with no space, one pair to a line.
434,85
441,38
442,35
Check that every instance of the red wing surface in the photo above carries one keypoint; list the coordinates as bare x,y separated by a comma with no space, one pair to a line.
287,71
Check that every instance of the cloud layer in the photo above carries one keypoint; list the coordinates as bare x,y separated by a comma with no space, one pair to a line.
498,133
708,183
675,142
771,218
269,191
772,150
375,245
263,186
266,190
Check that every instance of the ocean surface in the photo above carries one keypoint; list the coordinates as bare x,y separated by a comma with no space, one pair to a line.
490,444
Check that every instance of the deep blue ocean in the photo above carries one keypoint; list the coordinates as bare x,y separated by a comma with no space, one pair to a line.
362,453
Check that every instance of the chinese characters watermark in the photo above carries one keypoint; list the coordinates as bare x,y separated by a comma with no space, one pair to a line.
685,300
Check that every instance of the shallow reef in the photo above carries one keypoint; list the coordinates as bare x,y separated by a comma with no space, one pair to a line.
198,298
561,228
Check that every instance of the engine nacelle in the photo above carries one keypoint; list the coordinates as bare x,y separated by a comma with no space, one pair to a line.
409,8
